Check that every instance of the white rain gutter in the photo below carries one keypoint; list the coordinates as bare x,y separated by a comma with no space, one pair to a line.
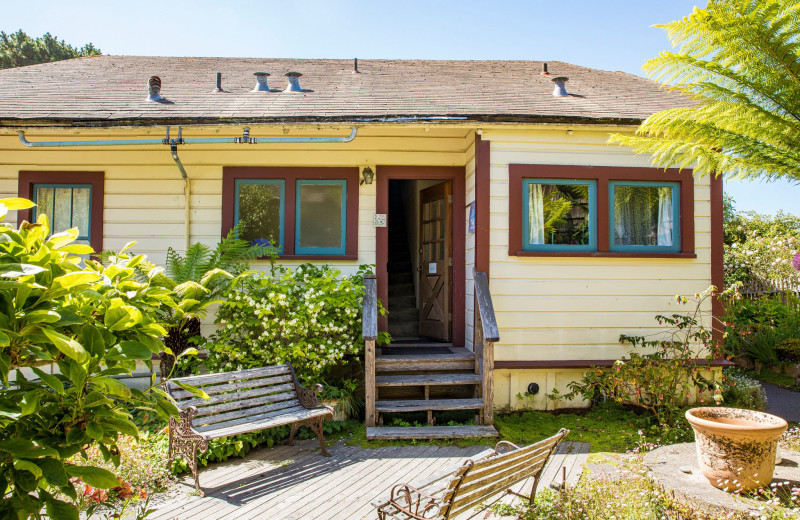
173,144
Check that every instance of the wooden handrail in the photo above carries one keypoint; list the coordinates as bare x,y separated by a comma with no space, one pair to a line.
369,331
486,334
485,307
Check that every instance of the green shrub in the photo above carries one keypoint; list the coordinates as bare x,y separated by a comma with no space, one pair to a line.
309,316
789,350
88,323
741,391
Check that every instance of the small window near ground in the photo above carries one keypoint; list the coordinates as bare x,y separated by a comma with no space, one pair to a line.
67,206
644,216
321,216
259,208
558,215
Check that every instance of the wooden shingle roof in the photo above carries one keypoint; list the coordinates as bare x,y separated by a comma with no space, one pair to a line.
112,90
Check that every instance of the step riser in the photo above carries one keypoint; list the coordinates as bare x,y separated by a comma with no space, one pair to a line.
425,405
389,366
435,392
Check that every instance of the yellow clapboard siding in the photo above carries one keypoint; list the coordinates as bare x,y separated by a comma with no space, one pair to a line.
524,303
621,320
596,287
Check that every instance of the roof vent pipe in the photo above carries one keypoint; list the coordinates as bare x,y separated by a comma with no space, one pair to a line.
544,70
219,83
261,82
560,89
294,82
355,66
154,89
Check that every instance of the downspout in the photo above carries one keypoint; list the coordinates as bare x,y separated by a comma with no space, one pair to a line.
187,190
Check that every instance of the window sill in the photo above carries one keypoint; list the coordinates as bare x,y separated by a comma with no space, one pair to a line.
315,257
603,254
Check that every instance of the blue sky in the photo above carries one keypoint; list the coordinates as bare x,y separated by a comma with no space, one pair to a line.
616,35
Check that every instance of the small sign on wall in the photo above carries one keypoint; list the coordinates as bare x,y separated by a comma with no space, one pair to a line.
471,219
379,219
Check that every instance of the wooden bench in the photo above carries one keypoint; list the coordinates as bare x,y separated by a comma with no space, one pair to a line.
451,493
241,402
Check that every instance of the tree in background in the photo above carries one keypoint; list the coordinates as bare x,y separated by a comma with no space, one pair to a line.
18,49
740,60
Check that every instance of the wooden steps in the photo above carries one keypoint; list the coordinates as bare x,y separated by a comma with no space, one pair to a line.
431,432
458,359
422,405
428,380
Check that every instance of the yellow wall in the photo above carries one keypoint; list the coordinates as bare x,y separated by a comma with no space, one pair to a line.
547,308
551,308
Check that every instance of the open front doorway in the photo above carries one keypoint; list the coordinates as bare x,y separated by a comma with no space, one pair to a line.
420,255
420,263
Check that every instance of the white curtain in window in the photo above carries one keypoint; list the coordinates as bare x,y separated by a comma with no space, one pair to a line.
632,216
535,214
665,216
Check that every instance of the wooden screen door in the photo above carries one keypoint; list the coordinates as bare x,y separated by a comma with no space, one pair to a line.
435,262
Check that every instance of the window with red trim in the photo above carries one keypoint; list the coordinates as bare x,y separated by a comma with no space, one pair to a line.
69,199
308,212
674,220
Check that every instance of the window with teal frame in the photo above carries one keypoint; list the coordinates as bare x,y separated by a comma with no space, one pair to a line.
644,216
559,215
259,207
321,216
67,206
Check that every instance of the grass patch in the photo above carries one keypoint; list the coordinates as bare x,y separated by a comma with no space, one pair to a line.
607,427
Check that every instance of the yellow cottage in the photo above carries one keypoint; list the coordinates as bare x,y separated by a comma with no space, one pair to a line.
431,170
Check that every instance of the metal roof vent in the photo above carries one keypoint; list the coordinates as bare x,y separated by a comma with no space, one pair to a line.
294,82
560,89
218,88
261,82
154,89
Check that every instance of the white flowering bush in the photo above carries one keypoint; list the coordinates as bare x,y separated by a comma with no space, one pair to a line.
309,316
760,247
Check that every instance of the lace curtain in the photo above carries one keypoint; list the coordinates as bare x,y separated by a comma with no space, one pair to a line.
535,214
643,216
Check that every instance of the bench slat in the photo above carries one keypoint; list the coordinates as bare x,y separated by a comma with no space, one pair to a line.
502,462
180,394
243,414
284,418
202,404
463,502
226,377
263,413
522,468
246,403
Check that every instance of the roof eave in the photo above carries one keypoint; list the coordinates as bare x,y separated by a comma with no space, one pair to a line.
382,119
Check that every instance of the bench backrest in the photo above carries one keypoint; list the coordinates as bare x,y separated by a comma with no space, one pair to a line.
237,395
477,481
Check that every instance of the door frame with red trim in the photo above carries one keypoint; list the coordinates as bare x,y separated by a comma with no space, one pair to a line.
455,174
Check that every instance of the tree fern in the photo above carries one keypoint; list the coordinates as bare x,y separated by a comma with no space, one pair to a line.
739,61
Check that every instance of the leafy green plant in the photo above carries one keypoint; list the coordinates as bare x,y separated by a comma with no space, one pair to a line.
66,331
788,350
198,280
760,345
309,316
344,392
663,375
741,391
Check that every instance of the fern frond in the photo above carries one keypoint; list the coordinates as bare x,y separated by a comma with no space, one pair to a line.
740,61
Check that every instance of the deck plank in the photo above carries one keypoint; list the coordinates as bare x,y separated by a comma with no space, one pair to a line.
295,482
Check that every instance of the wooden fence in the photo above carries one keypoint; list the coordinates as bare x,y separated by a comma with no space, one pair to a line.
788,290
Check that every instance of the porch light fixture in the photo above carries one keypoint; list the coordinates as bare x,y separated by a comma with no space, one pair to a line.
367,175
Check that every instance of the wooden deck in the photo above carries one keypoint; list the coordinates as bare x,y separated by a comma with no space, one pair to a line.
295,482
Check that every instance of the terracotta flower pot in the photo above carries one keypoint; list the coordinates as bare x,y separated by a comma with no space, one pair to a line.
736,448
